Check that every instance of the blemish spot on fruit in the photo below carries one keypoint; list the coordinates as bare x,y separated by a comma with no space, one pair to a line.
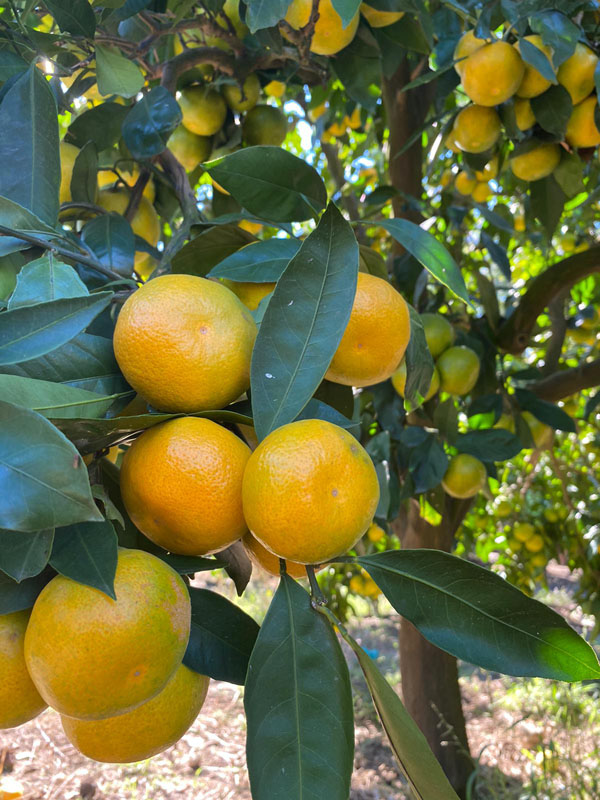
334,492
203,329
353,449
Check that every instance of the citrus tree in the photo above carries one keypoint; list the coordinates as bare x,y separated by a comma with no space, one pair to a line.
271,271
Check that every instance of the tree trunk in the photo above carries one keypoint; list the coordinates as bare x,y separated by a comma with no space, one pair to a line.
429,675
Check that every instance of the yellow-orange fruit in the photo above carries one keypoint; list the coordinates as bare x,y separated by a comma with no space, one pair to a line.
399,382
490,171
189,148
576,74
266,560
581,128
465,476
181,483
93,657
524,116
379,19
249,293
68,154
537,163
467,44
245,97
329,35
493,73
534,83
376,336
477,129
464,183
184,343
20,701
482,192
204,110
459,370
310,491
146,730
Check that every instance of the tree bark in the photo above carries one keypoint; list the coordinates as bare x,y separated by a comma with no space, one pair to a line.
429,675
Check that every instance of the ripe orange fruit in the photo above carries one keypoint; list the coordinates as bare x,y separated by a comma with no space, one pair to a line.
375,533
439,333
68,154
465,476
92,657
534,83
20,701
576,74
265,125
542,434
244,98
329,36
376,335
482,192
145,223
399,381
467,44
310,491
203,109
146,730
523,531
459,370
270,563
464,183
476,128
189,148
379,19
537,163
581,128
184,343
493,73
181,483
490,171
249,293
535,543
275,89
524,116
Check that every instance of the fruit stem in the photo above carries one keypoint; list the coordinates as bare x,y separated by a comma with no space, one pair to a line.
317,598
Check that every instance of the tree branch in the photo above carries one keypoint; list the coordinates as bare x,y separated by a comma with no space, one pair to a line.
515,333
169,71
567,382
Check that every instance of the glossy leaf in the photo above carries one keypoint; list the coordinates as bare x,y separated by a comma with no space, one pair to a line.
15,216
546,412
87,553
265,13
24,555
189,565
569,174
489,445
150,123
111,239
86,362
477,616
84,180
221,638
117,74
553,110
419,364
303,323
73,16
43,280
537,59
347,9
200,255
547,202
11,64
298,704
429,252
19,596
418,764
101,125
30,172
33,331
261,262
53,400
316,409
44,481
271,183
558,32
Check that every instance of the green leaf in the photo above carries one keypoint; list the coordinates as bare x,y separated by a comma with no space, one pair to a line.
419,364
494,444
477,616
569,174
188,565
15,216
417,762
150,123
43,280
303,323
101,125
271,183
298,704
200,255
261,262
117,74
87,553
53,400
546,412
73,16
430,253
19,596
347,9
427,464
11,64
30,172
547,202
265,13
44,480
84,180
111,239
32,331
86,362
553,110
221,638
558,32
537,59
317,409
24,555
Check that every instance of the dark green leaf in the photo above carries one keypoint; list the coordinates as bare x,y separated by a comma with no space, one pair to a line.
43,280
15,216
150,123
271,183
427,464
117,74
53,400
303,323
19,596
445,418
221,638
347,9
298,704
372,261
73,16
337,396
261,262
11,64
419,364
553,110
359,68
569,174
430,253
265,13
101,125
199,256
547,202
494,444
558,32
497,254
477,616
189,565
30,172
44,481
24,555
32,331
84,180
546,412
538,60
111,239
316,409
87,553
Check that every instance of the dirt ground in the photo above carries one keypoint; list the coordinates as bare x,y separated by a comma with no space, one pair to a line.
519,743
